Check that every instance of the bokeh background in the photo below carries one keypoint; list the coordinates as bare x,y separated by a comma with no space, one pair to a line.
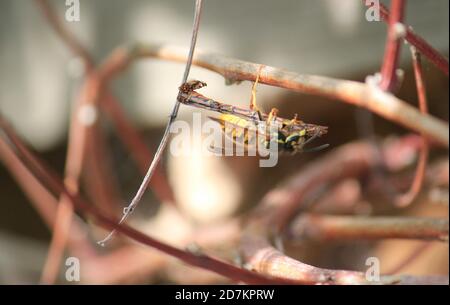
39,78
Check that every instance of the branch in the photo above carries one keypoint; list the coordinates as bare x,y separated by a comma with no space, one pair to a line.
75,157
327,227
419,176
267,260
66,36
396,31
355,93
165,138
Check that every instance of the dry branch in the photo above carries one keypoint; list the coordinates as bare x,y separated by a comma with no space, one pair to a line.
407,198
355,93
268,260
327,227
394,37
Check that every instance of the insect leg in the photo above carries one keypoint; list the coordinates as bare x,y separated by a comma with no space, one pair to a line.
253,105
272,116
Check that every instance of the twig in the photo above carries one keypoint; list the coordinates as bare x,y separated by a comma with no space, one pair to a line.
69,39
140,152
192,98
328,227
267,260
421,44
416,186
100,180
162,145
78,135
396,31
263,258
58,243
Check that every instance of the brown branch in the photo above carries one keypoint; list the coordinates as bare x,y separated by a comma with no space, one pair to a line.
327,227
61,229
393,46
416,186
66,36
267,260
78,140
75,153
355,93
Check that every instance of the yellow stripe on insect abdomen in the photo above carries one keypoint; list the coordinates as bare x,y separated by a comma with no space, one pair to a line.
232,119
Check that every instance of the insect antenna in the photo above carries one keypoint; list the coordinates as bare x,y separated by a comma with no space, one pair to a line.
315,149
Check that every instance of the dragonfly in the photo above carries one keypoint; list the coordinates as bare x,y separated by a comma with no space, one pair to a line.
249,127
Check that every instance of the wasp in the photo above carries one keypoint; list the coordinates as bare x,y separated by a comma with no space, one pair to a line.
249,127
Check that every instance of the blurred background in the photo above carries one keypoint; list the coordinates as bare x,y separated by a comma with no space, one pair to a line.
39,79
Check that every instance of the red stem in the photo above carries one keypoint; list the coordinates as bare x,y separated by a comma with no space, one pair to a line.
393,46
419,177
421,44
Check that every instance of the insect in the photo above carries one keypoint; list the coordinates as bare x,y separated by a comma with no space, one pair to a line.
249,127
244,132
